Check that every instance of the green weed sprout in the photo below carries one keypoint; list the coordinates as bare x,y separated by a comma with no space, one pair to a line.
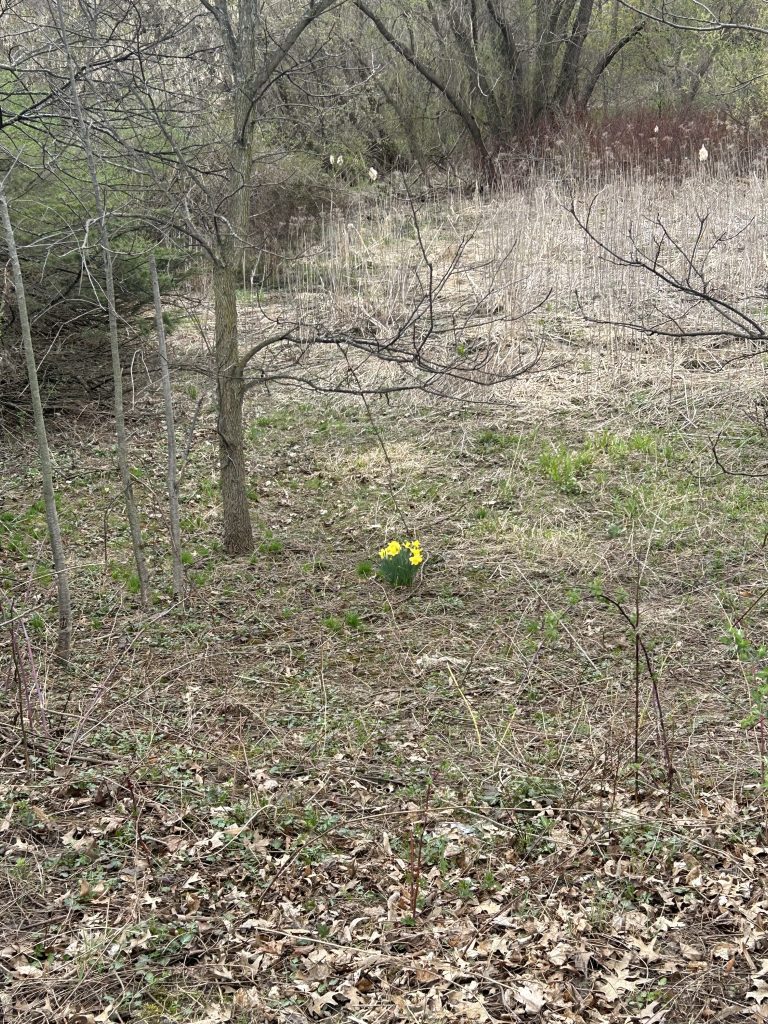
399,562
755,658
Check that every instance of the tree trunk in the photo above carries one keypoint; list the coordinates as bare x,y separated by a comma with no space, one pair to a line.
238,532
173,483
252,72
512,53
569,69
604,63
132,511
49,497
451,95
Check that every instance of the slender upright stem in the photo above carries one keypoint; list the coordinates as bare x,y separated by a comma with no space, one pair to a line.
46,471
173,483
114,342
637,690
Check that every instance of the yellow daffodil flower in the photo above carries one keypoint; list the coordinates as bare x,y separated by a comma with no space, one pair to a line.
391,550
399,561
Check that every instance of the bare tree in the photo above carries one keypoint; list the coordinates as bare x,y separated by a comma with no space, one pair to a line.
501,67
173,483
443,84
424,339
196,160
46,471
689,307
114,341
253,51
699,312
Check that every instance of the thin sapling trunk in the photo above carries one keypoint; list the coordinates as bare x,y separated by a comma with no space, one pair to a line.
46,472
173,483
114,342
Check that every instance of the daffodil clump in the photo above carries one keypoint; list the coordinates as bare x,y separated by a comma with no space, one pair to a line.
399,562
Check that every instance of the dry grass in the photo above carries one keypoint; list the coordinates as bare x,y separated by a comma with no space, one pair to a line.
527,241
221,818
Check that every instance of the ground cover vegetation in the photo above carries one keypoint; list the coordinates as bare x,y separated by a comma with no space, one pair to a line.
427,679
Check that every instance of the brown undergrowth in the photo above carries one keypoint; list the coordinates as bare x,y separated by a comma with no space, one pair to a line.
307,796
